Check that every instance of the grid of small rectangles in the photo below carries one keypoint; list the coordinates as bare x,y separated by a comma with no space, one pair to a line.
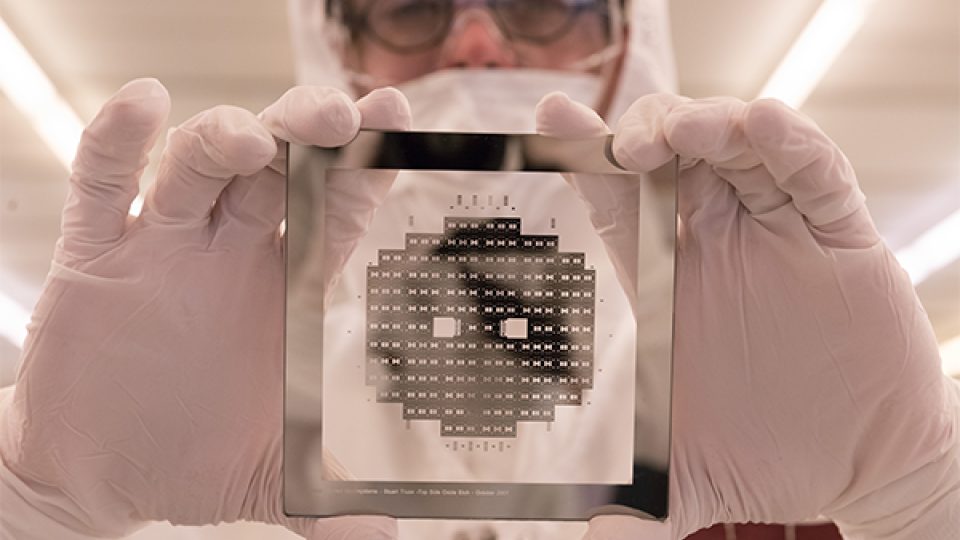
480,327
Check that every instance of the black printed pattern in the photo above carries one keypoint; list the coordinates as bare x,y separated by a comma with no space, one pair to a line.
480,327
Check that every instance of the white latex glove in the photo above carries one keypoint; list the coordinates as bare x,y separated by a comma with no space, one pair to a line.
151,381
807,379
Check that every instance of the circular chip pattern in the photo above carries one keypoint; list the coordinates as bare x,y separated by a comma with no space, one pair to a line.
480,327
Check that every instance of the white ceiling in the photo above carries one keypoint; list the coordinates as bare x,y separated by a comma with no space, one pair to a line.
892,100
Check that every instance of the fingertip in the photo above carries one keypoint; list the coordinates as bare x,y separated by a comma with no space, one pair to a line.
615,527
640,144
118,139
133,115
805,163
385,108
310,115
144,88
352,528
143,102
251,149
704,128
110,158
338,113
559,116
766,120
222,142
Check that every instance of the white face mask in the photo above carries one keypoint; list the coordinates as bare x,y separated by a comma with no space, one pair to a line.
490,100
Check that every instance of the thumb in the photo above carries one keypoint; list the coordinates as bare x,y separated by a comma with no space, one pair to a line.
346,528
559,116
622,527
110,158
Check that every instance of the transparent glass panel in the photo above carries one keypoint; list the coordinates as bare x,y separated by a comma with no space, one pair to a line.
462,343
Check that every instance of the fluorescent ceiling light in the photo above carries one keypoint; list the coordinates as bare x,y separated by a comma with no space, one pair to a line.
950,354
818,46
821,42
933,250
13,321
30,90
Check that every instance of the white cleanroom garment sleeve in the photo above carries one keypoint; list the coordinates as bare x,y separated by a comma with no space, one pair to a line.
151,380
807,379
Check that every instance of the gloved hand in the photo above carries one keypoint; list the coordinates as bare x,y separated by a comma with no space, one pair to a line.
807,379
151,381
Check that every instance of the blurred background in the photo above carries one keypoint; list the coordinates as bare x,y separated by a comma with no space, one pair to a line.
891,100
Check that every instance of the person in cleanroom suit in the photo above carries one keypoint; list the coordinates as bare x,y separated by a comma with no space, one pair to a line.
806,380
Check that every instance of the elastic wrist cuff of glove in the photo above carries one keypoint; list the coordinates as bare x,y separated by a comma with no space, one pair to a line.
27,515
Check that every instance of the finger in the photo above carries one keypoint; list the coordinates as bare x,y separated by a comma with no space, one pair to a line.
346,528
712,130
327,117
639,143
559,116
386,109
110,158
333,468
251,208
707,205
611,200
806,165
201,158
313,116
358,195
620,527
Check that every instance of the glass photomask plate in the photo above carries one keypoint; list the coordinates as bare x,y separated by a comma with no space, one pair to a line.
469,349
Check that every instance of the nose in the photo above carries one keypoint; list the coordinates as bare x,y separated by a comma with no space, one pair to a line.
476,42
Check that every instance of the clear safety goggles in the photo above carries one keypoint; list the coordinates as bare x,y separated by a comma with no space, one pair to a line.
409,26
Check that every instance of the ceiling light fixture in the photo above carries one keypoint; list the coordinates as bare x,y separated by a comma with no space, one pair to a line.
30,90
821,42
13,321
815,50
950,354
932,250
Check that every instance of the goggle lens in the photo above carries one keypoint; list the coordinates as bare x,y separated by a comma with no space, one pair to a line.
409,24
415,25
